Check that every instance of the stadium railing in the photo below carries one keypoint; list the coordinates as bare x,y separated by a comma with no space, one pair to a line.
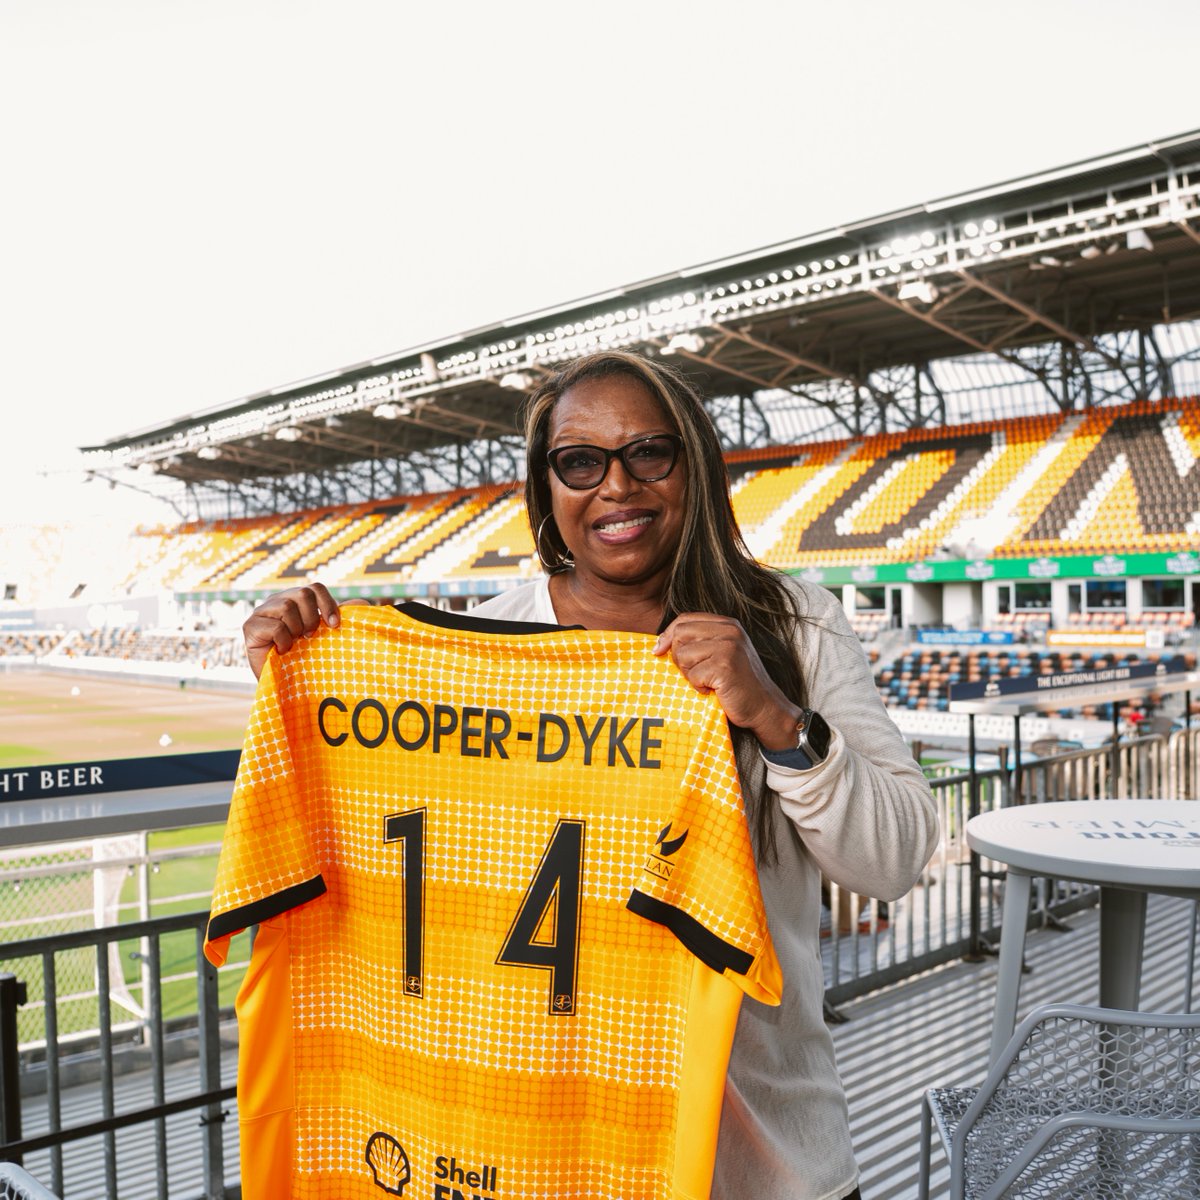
117,1038
953,911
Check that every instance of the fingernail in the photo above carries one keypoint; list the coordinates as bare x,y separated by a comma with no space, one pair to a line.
334,619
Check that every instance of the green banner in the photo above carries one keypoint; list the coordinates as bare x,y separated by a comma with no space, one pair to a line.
948,570
957,570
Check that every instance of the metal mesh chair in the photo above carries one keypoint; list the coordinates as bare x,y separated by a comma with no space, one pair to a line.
1189,966
1083,1102
17,1184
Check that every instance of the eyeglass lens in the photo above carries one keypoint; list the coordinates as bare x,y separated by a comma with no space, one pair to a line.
646,459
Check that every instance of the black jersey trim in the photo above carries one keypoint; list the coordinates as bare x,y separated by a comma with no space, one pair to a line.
226,924
703,943
472,624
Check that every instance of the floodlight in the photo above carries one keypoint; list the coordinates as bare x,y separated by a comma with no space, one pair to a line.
693,343
517,381
208,452
918,289
389,410
288,433
1138,239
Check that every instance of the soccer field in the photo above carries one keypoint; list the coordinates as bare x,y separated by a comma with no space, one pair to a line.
48,717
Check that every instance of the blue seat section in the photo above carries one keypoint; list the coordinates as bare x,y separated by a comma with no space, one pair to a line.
921,678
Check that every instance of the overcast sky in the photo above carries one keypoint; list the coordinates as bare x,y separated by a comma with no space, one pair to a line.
205,200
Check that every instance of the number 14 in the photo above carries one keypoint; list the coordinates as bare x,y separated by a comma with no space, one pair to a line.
545,930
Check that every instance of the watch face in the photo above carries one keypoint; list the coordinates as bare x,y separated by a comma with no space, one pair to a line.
816,733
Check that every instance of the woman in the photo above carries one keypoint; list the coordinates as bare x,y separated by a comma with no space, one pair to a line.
628,499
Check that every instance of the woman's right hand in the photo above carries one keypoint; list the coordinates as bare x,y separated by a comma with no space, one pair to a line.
282,618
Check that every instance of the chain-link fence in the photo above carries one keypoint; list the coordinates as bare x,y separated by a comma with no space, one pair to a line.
104,882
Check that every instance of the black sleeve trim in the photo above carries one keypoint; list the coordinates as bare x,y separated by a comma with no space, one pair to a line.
456,620
226,924
703,943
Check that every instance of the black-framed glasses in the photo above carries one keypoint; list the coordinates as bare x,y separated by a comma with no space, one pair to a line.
647,459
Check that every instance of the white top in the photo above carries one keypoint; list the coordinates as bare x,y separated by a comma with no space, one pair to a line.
1150,844
866,818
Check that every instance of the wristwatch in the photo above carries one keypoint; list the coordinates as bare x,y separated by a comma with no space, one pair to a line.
812,743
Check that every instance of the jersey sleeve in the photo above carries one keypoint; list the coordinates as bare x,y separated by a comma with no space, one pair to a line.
700,880
268,864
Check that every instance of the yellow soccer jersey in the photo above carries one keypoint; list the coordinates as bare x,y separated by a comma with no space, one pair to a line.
507,910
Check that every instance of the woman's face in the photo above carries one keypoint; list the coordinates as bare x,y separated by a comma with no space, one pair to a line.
622,530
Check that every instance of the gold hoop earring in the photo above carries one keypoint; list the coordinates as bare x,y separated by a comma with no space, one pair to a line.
557,561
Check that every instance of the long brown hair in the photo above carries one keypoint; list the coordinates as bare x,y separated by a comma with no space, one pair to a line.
713,569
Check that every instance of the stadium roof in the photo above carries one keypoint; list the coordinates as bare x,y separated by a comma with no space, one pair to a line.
1062,276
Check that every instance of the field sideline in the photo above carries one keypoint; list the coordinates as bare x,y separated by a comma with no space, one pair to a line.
53,717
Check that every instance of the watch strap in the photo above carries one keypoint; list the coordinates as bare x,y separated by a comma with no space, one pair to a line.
795,759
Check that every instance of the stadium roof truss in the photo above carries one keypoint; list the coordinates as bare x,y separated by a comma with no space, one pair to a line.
1061,291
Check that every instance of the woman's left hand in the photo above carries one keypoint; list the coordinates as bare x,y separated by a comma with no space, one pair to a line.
716,655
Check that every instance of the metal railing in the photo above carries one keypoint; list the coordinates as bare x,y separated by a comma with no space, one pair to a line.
205,1096
954,911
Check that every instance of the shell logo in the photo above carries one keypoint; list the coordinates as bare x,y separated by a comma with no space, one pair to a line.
388,1163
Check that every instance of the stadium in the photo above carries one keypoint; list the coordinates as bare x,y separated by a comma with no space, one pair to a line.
978,416
976,422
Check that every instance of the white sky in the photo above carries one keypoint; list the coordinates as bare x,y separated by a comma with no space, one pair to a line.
201,200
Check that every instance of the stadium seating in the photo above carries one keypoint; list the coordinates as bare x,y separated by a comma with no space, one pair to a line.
921,677
502,549
137,645
1126,480
1114,480
28,644
868,625
1026,625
